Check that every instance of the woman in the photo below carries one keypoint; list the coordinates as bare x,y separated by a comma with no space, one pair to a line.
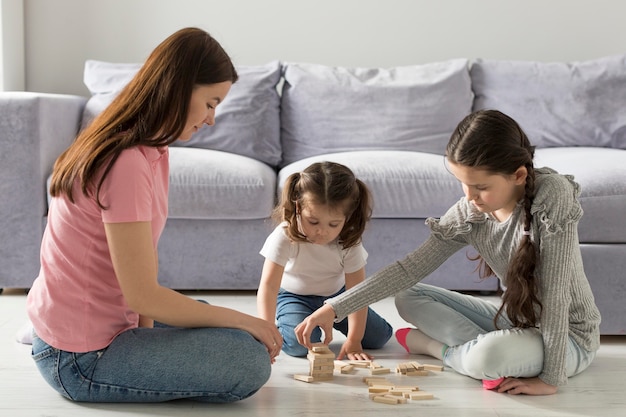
96,298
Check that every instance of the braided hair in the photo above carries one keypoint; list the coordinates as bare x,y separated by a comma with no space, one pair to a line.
493,141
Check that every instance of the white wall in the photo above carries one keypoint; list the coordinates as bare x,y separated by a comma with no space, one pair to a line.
62,34
11,45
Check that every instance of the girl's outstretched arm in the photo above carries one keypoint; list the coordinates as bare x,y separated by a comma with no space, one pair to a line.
135,263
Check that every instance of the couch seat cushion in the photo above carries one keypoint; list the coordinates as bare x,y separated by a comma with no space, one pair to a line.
403,184
601,173
207,184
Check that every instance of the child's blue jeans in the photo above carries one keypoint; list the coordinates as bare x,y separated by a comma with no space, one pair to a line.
292,309
159,364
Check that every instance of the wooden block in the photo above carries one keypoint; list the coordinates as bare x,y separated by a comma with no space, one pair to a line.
437,368
340,364
328,357
303,378
378,389
417,366
322,374
417,373
401,399
378,381
401,368
322,367
404,388
361,364
377,371
321,349
322,378
421,395
375,365
347,369
385,400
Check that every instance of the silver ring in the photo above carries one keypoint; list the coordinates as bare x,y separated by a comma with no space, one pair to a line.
274,343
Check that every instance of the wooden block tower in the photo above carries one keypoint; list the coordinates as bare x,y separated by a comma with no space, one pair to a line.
322,363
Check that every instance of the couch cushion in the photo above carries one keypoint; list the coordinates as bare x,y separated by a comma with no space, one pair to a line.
206,184
601,173
558,104
334,109
246,123
403,184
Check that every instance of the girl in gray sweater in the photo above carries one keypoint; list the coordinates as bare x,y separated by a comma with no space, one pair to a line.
523,223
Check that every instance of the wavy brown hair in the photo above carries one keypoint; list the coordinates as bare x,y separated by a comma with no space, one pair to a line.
492,141
330,184
151,110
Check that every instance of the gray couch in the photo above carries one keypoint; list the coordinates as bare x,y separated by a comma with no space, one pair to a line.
389,125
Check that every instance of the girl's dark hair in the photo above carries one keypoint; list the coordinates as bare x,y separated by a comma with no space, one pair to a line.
151,110
492,141
330,184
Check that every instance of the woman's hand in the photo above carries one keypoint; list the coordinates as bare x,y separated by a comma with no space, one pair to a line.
323,318
529,386
266,333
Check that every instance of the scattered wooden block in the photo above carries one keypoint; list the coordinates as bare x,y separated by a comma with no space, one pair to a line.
361,364
303,378
377,371
386,400
378,389
401,400
405,388
411,369
377,381
421,395
437,368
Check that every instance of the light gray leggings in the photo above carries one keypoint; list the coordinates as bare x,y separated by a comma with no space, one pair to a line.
476,348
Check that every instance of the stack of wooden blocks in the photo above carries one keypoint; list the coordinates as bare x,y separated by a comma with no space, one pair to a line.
321,364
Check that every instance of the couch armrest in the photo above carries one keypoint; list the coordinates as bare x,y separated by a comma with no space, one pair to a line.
34,129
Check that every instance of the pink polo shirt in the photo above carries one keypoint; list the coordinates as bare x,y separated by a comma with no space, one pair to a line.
76,303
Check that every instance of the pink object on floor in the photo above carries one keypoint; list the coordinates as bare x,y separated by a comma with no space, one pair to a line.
492,383
401,337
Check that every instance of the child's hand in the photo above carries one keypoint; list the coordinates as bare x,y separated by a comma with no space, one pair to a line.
353,351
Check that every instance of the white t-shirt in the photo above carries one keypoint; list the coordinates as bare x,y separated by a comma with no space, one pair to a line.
312,269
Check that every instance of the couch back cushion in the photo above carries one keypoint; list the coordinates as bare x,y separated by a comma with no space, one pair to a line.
336,109
247,123
558,104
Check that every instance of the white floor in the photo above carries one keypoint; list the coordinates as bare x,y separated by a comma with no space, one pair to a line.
599,391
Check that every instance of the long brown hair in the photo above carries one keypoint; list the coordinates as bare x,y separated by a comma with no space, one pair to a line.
330,184
493,141
151,110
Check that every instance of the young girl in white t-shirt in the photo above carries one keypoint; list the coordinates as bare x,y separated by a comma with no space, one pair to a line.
315,253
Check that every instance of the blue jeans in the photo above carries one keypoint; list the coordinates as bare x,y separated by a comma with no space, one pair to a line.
476,348
159,364
291,309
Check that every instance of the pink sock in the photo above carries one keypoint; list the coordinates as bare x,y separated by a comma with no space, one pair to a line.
492,383
401,337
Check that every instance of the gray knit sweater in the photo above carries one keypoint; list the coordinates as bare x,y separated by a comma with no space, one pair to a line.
568,305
